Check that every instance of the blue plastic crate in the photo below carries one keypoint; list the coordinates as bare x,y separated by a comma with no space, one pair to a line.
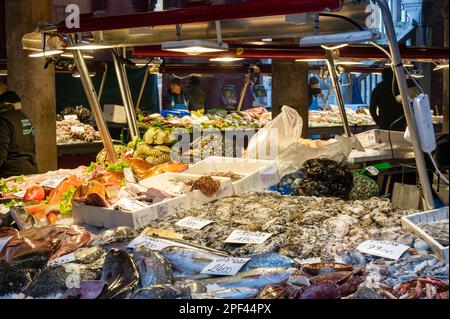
180,113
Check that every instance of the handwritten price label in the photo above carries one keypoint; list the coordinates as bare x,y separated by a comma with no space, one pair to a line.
70,117
149,242
4,241
54,181
78,129
385,249
62,260
246,237
194,223
225,266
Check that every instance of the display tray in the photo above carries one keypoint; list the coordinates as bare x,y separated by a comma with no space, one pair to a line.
411,222
258,174
111,218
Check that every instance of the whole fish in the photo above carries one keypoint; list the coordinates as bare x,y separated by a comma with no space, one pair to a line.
22,218
187,259
153,268
120,275
257,278
231,293
268,260
162,292
87,290
114,235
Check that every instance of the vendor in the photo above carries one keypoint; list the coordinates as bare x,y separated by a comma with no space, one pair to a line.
17,143
177,98
197,95
385,107
314,93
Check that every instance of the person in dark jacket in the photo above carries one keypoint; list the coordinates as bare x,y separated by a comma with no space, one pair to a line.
176,98
197,95
387,109
17,142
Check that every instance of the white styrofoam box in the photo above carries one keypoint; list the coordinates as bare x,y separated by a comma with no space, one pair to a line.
115,114
110,218
161,182
258,174
411,222
373,138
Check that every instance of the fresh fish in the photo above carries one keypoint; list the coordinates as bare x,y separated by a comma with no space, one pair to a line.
273,292
87,290
257,278
195,287
162,292
22,218
187,259
153,268
120,275
231,293
115,235
268,260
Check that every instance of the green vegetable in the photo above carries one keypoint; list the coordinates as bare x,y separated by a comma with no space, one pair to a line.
117,167
123,183
11,204
15,189
91,167
65,205
20,180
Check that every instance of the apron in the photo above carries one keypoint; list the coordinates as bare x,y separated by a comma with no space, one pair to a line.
179,106
314,105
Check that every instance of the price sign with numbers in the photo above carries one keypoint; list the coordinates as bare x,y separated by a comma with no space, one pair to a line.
70,117
383,248
4,241
62,260
194,223
78,129
247,237
149,242
54,181
225,266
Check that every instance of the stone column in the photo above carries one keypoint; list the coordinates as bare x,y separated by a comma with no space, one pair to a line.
445,105
28,78
290,87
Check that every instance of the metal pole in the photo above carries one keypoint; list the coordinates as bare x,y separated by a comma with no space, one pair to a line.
406,101
95,105
141,92
337,90
244,90
102,85
124,91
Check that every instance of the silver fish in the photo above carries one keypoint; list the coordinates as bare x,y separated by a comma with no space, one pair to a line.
22,218
188,260
268,260
231,293
153,268
162,292
257,278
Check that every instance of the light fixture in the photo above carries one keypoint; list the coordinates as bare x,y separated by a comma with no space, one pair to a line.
70,56
441,67
310,60
348,63
337,41
77,75
194,47
406,64
417,76
84,45
377,73
45,53
3,73
225,59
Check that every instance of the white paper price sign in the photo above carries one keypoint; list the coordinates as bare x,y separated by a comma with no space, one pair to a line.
225,266
20,194
4,241
78,129
247,237
54,181
149,242
70,117
194,223
384,248
62,260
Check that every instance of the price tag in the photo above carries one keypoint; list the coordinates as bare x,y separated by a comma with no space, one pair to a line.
373,170
62,260
70,117
78,129
247,237
194,223
129,176
149,242
54,181
385,248
20,194
225,266
4,241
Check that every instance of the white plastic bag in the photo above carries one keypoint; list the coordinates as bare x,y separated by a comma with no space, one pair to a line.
276,136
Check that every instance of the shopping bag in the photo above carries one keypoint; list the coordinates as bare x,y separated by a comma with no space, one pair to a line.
276,136
406,196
